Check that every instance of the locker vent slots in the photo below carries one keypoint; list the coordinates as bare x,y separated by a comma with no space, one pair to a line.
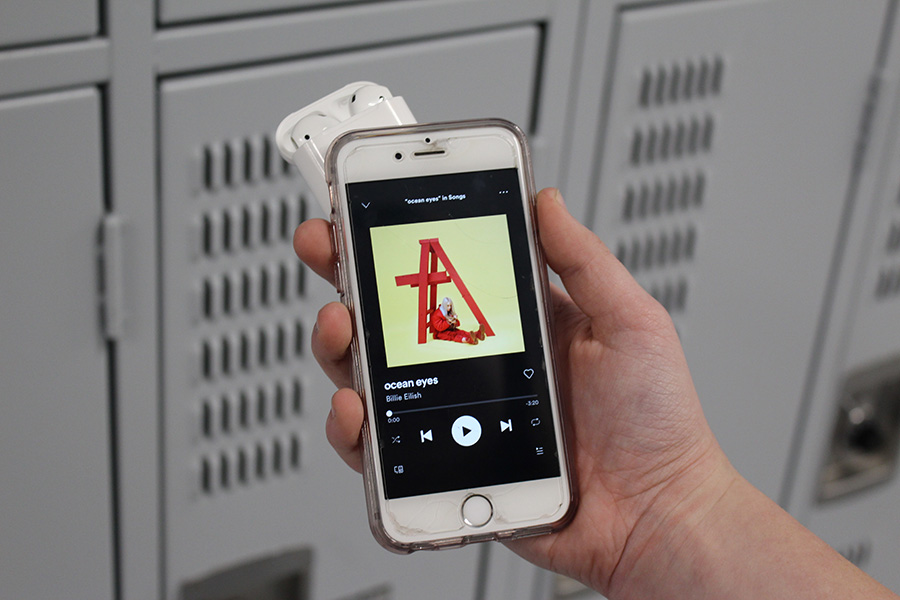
244,305
243,160
666,183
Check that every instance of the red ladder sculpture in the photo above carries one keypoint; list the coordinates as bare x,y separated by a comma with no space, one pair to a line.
427,280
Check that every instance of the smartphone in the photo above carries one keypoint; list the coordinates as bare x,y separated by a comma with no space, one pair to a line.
439,264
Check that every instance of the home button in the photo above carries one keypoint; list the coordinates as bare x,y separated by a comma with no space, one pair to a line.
477,510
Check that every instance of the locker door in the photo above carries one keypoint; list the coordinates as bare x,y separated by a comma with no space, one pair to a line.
175,11
55,505
246,461
846,484
723,177
33,21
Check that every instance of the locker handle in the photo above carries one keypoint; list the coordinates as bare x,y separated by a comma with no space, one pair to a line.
112,276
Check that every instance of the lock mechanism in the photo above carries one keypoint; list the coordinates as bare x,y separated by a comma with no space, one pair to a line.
864,441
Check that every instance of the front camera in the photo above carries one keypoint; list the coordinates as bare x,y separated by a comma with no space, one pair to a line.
398,156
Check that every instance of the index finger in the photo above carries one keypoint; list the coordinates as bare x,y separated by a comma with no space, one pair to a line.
312,243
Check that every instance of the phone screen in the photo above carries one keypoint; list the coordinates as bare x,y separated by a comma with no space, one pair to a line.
452,331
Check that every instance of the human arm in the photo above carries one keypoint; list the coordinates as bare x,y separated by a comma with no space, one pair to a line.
662,513
439,321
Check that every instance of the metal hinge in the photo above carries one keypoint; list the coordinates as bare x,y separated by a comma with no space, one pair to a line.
112,276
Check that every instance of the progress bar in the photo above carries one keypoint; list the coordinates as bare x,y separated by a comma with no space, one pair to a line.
392,413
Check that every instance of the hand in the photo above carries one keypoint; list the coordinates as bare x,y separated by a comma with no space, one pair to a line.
638,429
662,513
640,443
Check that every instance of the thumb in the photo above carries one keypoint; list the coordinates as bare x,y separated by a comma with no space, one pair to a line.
598,283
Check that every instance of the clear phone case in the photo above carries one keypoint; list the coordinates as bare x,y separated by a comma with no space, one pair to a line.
375,499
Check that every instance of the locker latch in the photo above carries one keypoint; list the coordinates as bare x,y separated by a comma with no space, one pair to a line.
866,434
112,276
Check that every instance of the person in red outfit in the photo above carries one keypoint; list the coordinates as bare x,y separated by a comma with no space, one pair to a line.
445,325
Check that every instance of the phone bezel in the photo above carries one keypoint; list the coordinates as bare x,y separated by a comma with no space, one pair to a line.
522,508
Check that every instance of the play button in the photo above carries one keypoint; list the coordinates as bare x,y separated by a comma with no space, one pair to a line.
466,430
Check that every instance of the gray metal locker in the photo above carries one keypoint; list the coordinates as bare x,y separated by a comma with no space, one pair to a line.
34,21
845,486
244,400
721,182
175,11
56,512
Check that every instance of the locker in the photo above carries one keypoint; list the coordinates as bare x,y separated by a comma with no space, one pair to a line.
55,503
38,21
722,178
246,462
175,11
846,486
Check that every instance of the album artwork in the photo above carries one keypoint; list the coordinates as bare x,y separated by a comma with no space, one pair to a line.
447,290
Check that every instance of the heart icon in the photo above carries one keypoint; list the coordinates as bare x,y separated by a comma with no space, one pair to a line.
528,373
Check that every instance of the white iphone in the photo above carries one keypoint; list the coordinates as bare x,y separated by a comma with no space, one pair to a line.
439,264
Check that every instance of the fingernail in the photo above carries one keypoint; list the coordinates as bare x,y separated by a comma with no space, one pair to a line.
558,197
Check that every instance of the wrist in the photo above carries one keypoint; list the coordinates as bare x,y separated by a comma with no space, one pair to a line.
669,541
720,537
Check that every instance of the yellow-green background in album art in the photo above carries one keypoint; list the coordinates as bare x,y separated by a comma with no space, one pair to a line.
478,247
